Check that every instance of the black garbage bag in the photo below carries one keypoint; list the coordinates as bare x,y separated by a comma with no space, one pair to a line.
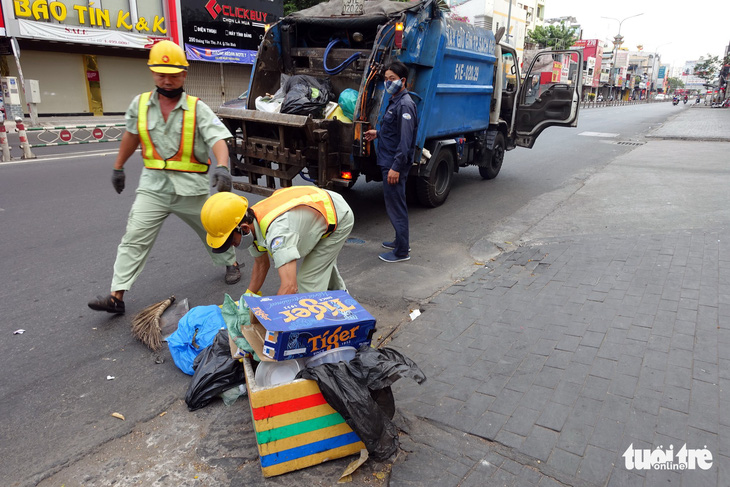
360,392
215,373
306,95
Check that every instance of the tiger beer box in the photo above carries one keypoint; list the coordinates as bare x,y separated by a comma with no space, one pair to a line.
303,325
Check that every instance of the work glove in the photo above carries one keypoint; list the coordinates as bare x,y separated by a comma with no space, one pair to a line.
118,180
222,179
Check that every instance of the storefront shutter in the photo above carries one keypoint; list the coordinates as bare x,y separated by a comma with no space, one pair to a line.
213,85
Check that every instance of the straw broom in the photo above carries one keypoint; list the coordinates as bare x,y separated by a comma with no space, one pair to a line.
146,324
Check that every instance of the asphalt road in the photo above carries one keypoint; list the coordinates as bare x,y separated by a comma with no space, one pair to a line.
61,222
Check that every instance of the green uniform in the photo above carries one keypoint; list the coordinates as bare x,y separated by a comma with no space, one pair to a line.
162,192
297,234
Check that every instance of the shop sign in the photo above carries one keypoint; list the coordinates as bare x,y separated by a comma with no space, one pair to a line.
42,30
87,16
238,56
227,31
557,69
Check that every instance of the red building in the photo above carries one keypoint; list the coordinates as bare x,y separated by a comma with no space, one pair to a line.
592,54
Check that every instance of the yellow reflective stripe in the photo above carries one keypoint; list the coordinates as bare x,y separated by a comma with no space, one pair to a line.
319,196
144,134
188,130
184,160
331,216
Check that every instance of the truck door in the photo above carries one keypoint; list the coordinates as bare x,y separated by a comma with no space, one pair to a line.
549,96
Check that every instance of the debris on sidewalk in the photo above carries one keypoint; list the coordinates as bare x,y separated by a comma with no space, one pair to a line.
118,416
360,391
19,332
215,373
354,465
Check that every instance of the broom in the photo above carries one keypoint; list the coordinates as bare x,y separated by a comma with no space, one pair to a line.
146,324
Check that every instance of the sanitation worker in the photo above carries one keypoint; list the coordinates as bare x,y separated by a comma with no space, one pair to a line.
397,139
298,223
177,131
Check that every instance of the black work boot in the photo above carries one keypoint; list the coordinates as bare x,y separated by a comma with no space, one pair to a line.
233,274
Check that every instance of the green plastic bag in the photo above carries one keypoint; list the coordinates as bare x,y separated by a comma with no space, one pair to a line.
236,316
347,101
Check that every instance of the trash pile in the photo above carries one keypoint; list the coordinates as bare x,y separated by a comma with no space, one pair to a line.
307,354
306,95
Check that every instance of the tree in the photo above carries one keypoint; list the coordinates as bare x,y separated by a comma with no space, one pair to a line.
708,67
675,83
556,37
297,5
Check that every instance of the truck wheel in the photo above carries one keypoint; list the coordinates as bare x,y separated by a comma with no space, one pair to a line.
433,190
496,156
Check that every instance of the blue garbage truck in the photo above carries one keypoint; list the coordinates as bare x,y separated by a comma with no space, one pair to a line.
473,104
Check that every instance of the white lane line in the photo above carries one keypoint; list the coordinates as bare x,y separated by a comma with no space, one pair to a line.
57,158
598,134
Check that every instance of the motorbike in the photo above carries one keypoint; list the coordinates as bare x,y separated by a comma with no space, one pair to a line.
685,100
675,101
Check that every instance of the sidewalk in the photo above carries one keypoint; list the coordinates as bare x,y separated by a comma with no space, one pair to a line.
607,328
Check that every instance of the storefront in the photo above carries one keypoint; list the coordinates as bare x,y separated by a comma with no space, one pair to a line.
221,39
89,57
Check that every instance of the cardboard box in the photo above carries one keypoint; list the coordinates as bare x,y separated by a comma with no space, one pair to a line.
303,325
295,427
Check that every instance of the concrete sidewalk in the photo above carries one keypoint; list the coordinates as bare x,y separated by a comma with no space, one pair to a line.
607,328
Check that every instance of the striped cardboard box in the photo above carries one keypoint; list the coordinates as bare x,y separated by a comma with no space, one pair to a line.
295,427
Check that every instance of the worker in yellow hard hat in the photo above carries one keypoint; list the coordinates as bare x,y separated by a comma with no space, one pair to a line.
298,223
176,132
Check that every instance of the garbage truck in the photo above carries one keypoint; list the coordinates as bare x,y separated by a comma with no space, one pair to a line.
473,104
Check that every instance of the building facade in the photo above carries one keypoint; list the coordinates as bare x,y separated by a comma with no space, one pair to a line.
592,64
89,57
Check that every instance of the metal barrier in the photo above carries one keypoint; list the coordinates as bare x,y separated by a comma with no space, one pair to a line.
617,103
77,134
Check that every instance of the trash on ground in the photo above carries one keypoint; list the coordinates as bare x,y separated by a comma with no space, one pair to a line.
196,330
231,395
354,465
237,316
415,314
110,377
304,325
118,415
360,391
215,372
296,408
19,332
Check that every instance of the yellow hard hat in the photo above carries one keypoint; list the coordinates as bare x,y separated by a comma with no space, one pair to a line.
220,215
167,57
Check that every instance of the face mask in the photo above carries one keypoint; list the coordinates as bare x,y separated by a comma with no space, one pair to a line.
393,87
170,93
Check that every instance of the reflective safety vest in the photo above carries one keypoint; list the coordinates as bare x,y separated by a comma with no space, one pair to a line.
184,160
283,200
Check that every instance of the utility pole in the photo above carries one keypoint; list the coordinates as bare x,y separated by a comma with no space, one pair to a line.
617,41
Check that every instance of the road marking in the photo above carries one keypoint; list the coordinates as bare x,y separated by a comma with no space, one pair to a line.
65,156
598,134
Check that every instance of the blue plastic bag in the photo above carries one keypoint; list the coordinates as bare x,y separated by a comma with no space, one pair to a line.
347,101
195,331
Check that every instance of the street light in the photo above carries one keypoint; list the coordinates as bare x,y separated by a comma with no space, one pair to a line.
617,41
